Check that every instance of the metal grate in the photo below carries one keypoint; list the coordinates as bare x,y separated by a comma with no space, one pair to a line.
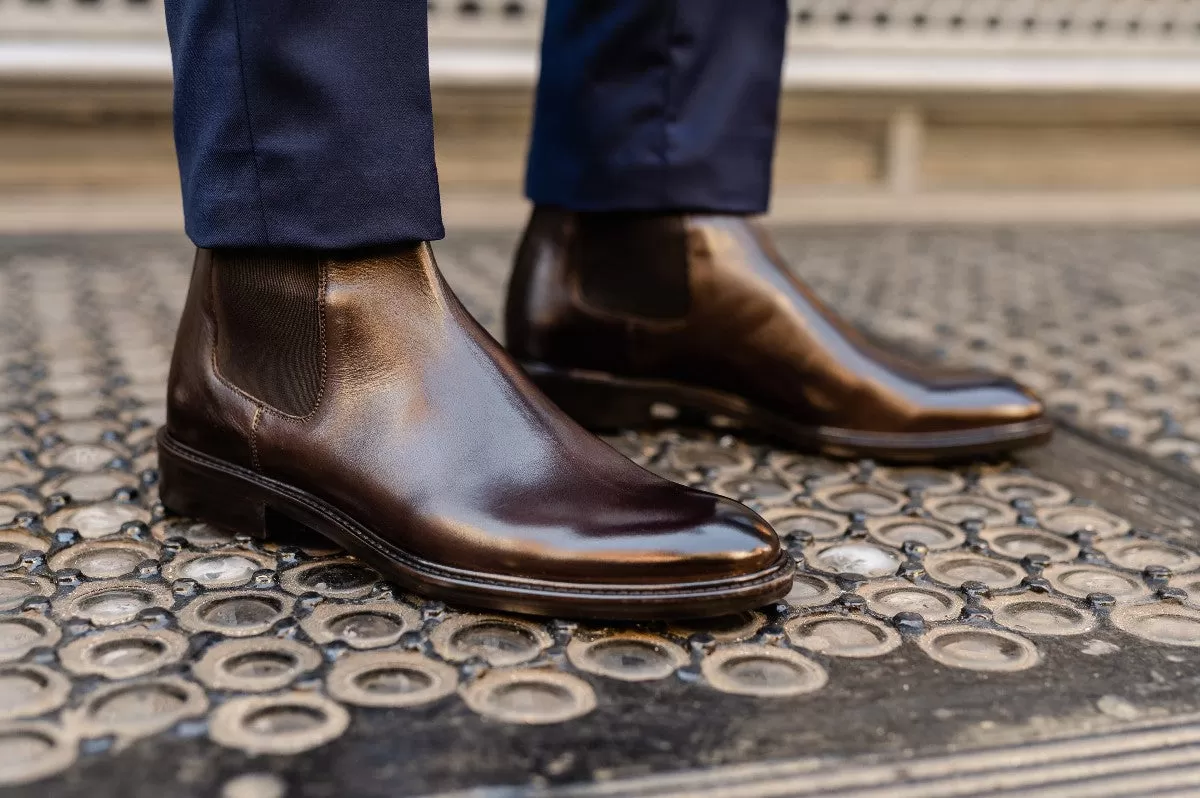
936,610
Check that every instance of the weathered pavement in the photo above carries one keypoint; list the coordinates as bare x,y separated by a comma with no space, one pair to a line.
991,629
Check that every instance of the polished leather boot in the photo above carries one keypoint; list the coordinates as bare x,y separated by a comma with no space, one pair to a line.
357,398
632,319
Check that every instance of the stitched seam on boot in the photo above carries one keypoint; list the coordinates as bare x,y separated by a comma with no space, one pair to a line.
212,294
258,411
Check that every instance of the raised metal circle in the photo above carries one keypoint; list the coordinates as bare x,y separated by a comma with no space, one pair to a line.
218,569
1040,492
1137,553
15,588
895,531
113,602
1018,542
390,679
688,456
28,690
790,521
628,656
97,520
842,635
290,723
765,671
89,487
529,696
930,481
196,533
956,509
123,653
856,558
724,628
953,568
371,625
13,504
342,578
14,543
19,634
137,709
1071,518
84,430
1166,624
861,498
13,475
815,471
1081,581
761,487
1041,615
255,665
498,640
103,559
810,591
892,596
82,457
32,751
979,649
235,613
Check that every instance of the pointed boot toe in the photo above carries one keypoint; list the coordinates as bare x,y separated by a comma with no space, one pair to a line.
638,319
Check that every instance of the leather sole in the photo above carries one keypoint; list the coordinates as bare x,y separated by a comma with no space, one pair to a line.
212,490
601,401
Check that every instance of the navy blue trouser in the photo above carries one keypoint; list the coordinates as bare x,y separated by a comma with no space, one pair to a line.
308,124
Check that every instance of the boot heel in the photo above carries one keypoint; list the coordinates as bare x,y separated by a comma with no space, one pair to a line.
194,490
600,402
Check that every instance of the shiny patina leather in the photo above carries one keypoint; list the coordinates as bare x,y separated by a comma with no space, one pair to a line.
427,434
750,329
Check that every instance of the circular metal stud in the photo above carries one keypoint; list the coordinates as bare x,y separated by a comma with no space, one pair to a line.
762,671
530,696
390,679
979,649
291,723
123,653
628,657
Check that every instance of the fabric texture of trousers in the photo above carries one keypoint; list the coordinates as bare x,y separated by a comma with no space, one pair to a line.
310,125
304,124
657,105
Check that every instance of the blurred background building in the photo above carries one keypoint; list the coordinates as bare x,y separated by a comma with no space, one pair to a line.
949,110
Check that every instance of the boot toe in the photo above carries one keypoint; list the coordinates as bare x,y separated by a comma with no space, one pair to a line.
734,541
1006,401
997,401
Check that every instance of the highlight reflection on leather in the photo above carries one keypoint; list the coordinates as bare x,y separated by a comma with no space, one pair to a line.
750,329
431,437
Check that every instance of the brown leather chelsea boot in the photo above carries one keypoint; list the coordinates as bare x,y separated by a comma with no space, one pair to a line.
632,319
356,397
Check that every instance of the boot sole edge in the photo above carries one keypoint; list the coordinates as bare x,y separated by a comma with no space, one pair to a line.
228,495
602,401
